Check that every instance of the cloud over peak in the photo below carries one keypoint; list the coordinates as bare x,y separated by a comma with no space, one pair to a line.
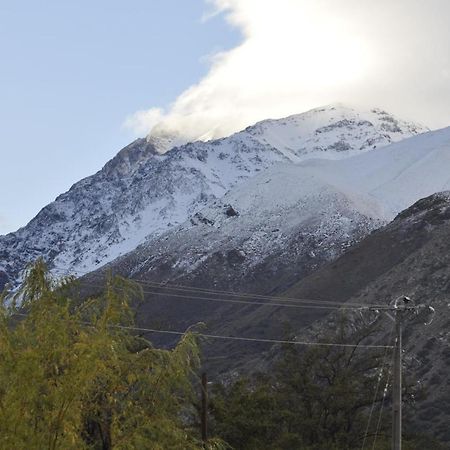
300,54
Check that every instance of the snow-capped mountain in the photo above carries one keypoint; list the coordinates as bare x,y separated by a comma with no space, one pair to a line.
290,219
274,230
146,190
277,228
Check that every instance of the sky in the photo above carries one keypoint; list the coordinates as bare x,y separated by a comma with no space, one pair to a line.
79,80
70,74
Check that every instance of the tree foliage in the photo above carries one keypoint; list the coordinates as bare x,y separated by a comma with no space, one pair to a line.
313,399
73,377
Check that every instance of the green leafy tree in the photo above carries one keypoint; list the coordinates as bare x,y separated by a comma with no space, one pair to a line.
73,377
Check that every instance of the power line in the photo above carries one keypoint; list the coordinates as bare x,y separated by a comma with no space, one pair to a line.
245,302
249,339
227,293
383,365
287,301
241,295
381,410
234,338
234,301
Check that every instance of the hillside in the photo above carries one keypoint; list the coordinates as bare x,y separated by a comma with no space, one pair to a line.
410,256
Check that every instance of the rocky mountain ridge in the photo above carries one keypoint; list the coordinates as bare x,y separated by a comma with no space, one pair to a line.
143,192
294,217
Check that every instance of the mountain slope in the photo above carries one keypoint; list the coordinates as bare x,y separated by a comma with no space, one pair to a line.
410,256
279,227
398,175
142,193
298,216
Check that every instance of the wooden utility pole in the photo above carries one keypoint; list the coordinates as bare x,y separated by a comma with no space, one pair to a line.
204,412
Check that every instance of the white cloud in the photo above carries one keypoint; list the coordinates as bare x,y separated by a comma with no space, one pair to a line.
300,54
143,121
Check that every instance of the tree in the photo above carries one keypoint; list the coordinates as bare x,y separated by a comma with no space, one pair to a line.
316,398
72,377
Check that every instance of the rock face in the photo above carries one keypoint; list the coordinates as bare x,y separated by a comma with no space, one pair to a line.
262,235
142,193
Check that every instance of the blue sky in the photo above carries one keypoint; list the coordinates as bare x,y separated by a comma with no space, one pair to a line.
71,72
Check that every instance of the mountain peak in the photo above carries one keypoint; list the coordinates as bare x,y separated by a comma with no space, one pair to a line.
333,131
155,184
130,157
164,140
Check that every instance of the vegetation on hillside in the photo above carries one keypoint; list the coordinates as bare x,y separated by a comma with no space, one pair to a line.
314,399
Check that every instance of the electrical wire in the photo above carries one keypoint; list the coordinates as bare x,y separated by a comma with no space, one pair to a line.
227,293
380,375
245,302
240,295
233,338
234,301
319,304
249,339
243,338
381,409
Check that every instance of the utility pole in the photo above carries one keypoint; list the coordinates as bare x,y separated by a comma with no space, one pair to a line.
204,412
397,385
400,308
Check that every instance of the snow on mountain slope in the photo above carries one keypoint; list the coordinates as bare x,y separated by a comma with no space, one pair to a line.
142,193
396,176
285,215
293,217
338,130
